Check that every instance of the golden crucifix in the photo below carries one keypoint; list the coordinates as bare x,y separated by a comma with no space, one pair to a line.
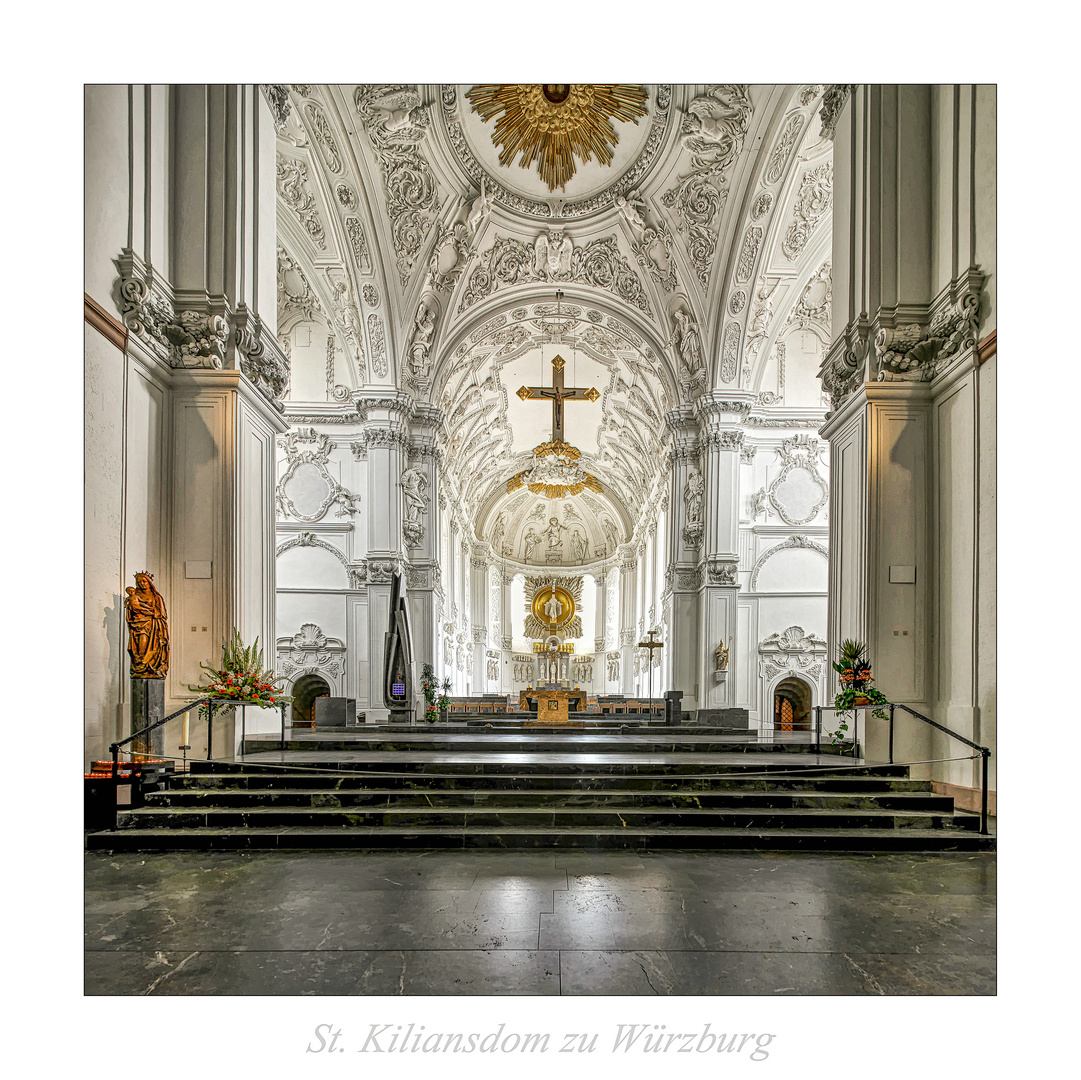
557,393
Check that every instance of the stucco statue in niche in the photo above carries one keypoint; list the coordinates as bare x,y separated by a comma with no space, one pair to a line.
689,341
148,629
553,531
424,328
692,494
532,539
415,491
578,546
721,657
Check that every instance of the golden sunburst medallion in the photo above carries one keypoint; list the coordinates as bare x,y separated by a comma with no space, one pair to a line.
557,122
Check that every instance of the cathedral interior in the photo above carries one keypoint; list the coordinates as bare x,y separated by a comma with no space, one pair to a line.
544,372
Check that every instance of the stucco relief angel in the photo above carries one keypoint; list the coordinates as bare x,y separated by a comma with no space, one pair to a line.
479,211
552,255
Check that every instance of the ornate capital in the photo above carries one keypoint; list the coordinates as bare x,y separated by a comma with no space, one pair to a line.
721,571
833,101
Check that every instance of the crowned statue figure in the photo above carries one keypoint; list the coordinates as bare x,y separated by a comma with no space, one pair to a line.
148,629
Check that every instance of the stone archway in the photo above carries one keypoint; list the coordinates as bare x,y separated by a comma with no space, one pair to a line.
792,705
305,690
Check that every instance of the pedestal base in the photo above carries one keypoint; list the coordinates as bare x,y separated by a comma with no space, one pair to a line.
147,707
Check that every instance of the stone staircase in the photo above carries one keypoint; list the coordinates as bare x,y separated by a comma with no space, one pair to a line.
515,789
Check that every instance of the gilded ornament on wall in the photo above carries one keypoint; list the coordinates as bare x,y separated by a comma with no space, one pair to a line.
557,123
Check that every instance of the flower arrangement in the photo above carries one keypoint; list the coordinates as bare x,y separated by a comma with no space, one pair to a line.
435,694
854,670
241,678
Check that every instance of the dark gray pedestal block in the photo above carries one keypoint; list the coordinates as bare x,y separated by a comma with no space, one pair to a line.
147,707
672,712
335,712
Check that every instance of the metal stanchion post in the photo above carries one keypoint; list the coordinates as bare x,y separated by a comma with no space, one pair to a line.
209,730
818,729
891,733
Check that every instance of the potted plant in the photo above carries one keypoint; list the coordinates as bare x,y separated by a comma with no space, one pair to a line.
854,669
241,678
435,695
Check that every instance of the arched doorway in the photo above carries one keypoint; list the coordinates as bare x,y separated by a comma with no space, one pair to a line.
305,690
792,705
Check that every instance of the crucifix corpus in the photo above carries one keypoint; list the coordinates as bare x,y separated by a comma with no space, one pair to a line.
557,393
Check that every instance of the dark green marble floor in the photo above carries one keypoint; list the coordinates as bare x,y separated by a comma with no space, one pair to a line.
539,923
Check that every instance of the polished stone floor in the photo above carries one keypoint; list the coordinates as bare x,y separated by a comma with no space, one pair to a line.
539,923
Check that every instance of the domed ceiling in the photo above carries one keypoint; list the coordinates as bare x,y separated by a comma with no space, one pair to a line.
450,242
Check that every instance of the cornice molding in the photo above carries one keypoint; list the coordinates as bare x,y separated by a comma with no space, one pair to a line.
109,326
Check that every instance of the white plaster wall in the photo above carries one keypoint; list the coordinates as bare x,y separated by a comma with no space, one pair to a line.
104,643
987,569
311,568
106,188
326,609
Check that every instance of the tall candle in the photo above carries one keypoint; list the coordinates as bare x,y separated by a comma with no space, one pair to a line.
184,730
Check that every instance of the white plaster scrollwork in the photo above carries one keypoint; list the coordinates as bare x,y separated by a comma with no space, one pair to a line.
792,542
292,179
324,137
310,651
379,346
816,300
813,203
554,257
730,352
295,295
713,130
307,482
799,492
396,122
791,650
752,240
786,143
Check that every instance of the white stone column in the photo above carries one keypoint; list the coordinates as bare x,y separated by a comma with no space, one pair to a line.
480,561
683,577
628,610
383,446
421,536
720,417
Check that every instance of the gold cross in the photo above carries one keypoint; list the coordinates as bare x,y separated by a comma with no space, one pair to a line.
557,393
650,644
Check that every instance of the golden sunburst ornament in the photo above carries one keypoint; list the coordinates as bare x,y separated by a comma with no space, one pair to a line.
557,122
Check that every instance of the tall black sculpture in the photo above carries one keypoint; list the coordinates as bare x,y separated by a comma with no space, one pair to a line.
398,660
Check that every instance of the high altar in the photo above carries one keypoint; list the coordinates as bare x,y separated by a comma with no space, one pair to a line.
553,706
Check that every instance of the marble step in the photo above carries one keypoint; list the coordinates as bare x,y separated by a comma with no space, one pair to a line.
544,743
268,779
713,839
557,818
435,797
563,764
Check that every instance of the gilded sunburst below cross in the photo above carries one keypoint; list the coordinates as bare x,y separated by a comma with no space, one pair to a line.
557,122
